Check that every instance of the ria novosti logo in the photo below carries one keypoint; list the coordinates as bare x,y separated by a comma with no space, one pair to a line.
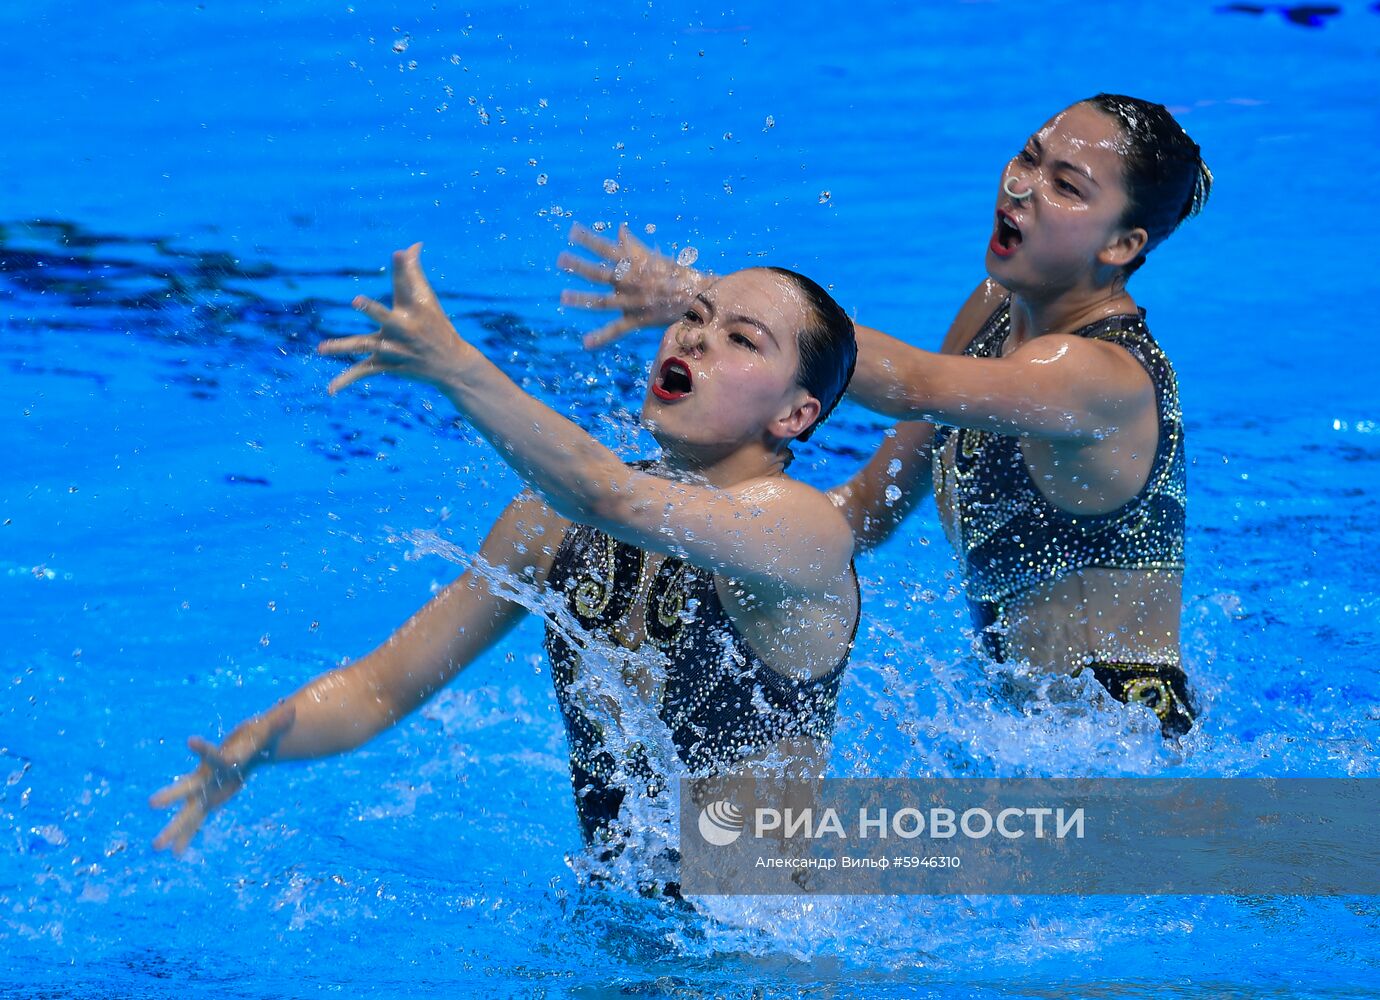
721,823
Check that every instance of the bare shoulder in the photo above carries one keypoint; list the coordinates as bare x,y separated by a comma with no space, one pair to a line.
979,305
785,496
1109,374
526,536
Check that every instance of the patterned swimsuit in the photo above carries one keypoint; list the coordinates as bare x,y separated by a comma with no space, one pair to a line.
1012,538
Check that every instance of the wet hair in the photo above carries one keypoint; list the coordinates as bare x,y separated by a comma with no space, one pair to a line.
1162,168
828,347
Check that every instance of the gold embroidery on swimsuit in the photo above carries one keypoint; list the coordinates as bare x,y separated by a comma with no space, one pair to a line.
1152,692
592,595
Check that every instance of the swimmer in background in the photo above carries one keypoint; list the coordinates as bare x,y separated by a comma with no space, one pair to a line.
736,579
1048,425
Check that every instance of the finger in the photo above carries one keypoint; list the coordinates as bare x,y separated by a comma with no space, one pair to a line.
627,241
185,826
608,333
362,344
376,311
409,283
179,832
591,300
354,373
209,753
169,794
600,274
594,244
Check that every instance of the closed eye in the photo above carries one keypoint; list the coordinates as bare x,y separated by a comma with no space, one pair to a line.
1026,157
742,341
1068,188
692,316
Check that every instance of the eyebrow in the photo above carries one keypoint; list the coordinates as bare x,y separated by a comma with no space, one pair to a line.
741,319
1065,164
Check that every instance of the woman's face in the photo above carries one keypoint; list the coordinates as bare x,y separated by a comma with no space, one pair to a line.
1064,218
726,371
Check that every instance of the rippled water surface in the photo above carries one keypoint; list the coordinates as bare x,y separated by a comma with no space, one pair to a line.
191,528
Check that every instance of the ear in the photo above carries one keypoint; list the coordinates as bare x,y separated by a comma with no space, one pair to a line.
797,420
1126,245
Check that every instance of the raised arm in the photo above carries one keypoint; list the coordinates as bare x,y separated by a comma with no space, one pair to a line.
771,532
344,708
1055,387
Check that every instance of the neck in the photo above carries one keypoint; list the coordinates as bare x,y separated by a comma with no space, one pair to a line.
723,468
1033,315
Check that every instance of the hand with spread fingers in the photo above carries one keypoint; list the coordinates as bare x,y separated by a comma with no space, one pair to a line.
648,288
414,339
220,775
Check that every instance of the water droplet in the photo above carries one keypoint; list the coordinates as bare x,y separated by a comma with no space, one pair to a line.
728,137
610,186
770,123
599,227
400,46
824,197
649,228
893,467
687,256
532,162
728,188
893,493
541,179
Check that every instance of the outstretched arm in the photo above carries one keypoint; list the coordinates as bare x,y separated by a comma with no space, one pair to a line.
344,708
772,532
1054,387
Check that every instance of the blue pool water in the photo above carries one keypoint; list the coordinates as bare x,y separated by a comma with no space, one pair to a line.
191,528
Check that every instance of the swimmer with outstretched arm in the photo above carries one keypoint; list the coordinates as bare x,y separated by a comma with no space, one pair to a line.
737,576
1048,424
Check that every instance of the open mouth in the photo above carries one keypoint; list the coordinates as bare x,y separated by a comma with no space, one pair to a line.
1006,237
673,380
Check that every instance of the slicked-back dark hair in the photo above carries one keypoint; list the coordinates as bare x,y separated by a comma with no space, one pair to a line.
1163,170
828,347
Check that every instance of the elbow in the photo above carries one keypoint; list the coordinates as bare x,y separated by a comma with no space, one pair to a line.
606,508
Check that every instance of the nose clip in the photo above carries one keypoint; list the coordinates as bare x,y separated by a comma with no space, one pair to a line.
689,341
1010,180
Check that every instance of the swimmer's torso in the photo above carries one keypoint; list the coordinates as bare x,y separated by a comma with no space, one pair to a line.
1069,562
648,644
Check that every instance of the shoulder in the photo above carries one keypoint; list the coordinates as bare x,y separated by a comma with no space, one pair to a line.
526,536
976,310
781,504
1110,375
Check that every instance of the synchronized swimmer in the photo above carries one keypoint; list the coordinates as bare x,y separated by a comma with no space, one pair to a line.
737,576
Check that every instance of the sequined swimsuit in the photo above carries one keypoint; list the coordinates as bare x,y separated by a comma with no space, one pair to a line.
719,701
1012,538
